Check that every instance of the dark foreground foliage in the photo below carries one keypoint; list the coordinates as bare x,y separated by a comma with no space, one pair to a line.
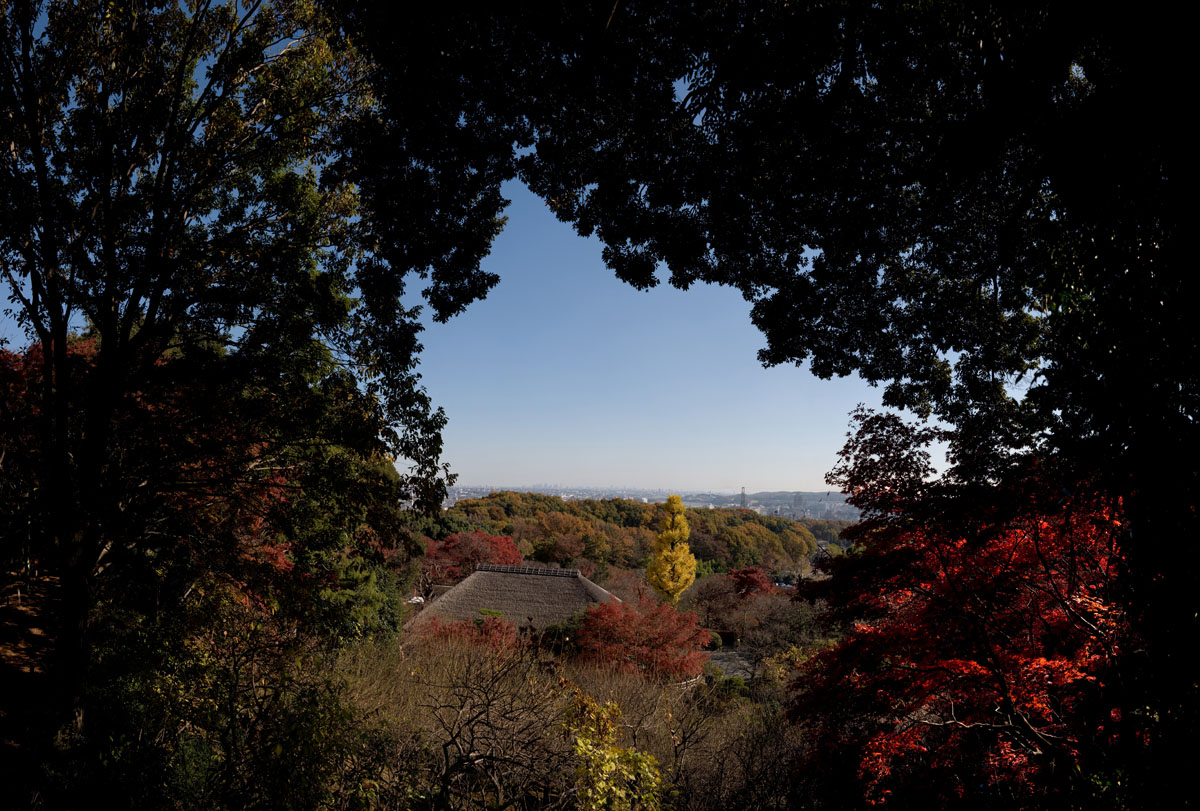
211,215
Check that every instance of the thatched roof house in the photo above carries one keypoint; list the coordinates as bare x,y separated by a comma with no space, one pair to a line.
527,596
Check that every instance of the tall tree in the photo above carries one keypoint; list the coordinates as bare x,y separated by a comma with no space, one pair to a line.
192,186
673,567
987,647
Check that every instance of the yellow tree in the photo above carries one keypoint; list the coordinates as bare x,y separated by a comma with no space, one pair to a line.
611,777
673,567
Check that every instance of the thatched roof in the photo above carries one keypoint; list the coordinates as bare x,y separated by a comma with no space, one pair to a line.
524,595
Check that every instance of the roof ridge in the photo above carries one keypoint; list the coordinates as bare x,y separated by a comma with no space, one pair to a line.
538,570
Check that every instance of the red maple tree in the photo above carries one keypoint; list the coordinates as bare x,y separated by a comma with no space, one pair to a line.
750,580
454,558
649,638
986,639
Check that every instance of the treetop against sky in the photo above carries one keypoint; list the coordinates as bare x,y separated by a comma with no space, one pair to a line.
248,201
565,374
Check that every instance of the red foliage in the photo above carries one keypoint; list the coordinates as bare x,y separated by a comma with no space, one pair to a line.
492,632
196,480
750,580
652,639
22,376
453,559
986,629
588,568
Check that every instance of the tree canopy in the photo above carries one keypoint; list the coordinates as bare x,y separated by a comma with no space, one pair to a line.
212,215
977,207
974,207
200,244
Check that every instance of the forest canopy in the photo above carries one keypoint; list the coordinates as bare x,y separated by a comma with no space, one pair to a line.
213,214
620,532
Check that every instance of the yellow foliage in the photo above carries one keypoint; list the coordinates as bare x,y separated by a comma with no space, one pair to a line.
673,567
610,777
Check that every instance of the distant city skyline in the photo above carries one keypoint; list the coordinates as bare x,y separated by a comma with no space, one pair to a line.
786,503
566,374
537,487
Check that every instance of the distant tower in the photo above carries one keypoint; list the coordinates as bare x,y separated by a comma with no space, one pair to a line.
743,498
795,502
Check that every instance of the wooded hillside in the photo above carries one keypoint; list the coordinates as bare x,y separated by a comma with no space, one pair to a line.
620,532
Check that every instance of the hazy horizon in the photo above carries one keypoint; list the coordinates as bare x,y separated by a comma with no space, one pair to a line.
522,488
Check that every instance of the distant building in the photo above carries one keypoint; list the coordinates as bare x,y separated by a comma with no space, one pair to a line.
527,596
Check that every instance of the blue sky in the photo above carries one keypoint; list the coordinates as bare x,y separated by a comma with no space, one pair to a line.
566,375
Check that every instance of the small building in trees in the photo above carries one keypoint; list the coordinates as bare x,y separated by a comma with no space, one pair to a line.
529,597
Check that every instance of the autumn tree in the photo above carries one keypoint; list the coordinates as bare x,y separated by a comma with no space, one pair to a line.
673,567
611,777
650,639
988,652
454,558
750,580
191,189
262,572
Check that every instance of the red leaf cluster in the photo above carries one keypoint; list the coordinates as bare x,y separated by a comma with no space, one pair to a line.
650,638
454,558
981,649
495,633
750,580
